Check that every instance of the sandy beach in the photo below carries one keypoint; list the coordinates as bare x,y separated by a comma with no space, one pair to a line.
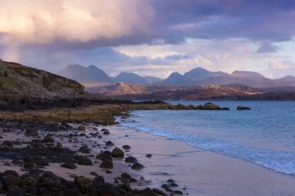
194,171
202,172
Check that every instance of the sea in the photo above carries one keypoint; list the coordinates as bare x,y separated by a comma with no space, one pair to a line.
264,135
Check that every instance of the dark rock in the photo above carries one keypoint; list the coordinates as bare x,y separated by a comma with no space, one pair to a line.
82,128
109,143
130,160
31,133
158,191
177,192
108,171
15,191
98,180
104,156
243,108
106,164
93,173
147,192
117,153
166,187
49,177
126,147
7,144
52,188
172,183
42,163
211,106
137,166
125,176
29,165
10,173
69,165
36,172
48,139
84,161
29,181
107,189
84,149
149,155
83,183
105,131
10,181
17,162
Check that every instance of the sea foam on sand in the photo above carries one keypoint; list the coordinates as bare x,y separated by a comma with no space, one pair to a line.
200,172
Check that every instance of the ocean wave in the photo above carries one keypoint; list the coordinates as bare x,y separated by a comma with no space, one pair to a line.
279,161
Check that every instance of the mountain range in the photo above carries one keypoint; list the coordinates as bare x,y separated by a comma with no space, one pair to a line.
196,77
29,86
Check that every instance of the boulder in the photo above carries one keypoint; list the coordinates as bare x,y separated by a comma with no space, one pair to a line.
118,153
109,143
243,108
107,165
104,156
84,149
84,161
98,180
126,147
130,160
83,183
29,181
7,144
211,106
125,176
137,166
31,133
69,165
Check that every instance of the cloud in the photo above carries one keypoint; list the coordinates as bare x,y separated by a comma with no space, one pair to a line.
282,65
267,47
72,21
223,19
115,22
147,35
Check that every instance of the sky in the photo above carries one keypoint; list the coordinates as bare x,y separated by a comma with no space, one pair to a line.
151,37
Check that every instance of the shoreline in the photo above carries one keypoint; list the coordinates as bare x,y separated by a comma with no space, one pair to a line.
194,171
203,172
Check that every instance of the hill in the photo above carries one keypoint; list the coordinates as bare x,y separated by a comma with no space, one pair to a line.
22,84
130,78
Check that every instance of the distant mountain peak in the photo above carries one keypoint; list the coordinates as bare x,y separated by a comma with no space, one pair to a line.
288,78
130,77
246,74
92,67
200,73
91,74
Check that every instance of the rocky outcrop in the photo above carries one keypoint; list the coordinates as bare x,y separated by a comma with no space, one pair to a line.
25,85
243,108
212,106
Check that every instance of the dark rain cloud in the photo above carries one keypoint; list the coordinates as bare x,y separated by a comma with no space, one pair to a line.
224,19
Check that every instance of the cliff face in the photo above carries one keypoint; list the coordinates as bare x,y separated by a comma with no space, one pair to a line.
18,83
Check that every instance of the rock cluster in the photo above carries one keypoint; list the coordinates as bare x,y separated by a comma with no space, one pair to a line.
38,182
42,146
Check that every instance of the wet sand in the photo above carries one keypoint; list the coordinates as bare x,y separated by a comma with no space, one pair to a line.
202,172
